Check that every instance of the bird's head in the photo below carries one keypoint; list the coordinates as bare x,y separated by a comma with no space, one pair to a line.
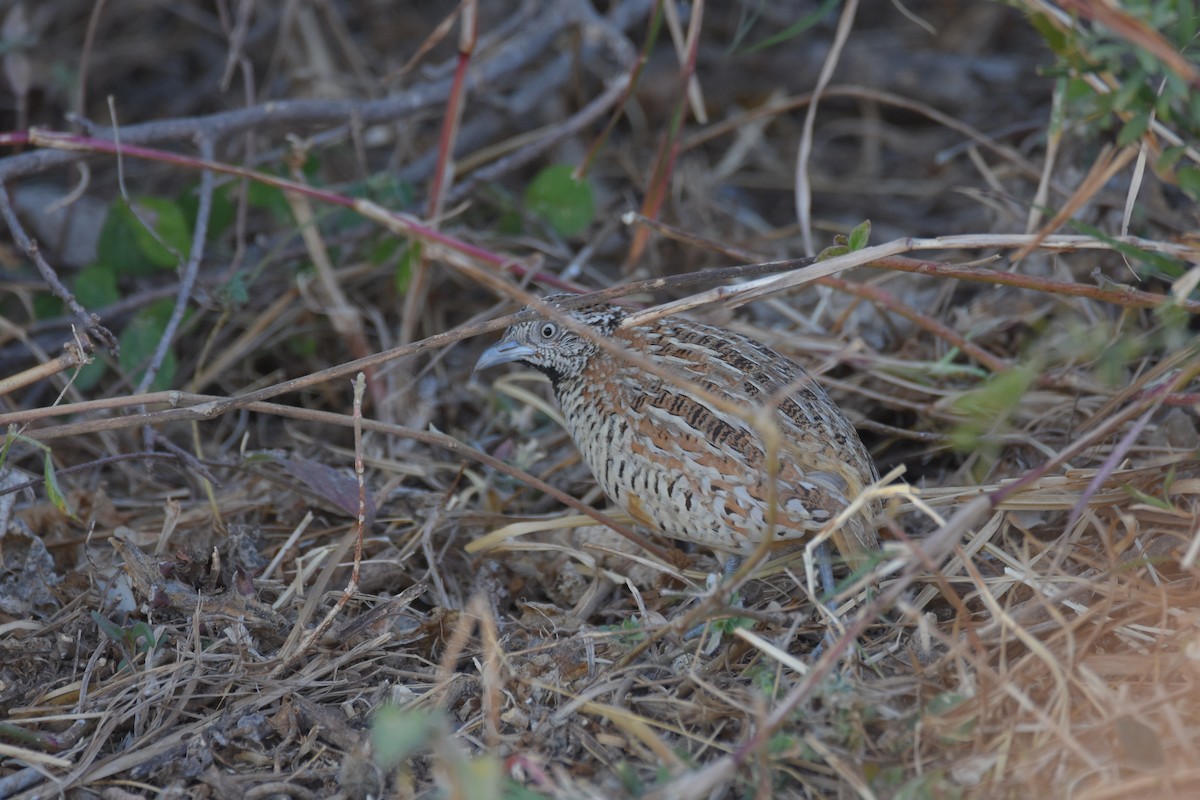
547,344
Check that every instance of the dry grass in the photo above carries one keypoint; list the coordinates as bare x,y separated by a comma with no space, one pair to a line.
1030,629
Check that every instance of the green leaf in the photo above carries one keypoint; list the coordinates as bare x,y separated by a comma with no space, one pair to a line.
833,251
128,247
220,215
557,197
90,374
859,235
404,269
1056,39
141,636
999,395
96,286
45,306
1156,262
1142,497
1170,157
1133,129
110,629
138,341
269,198
1078,91
1189,181
54,491
989,405
168,239
396,734
118,248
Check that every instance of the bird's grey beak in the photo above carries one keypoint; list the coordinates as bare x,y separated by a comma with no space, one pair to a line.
502,353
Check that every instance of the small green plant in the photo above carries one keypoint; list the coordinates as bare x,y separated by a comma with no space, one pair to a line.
54,492
399,735
631,630
564,201
852,242
1129,69
137,638
727,625
138,340
990,405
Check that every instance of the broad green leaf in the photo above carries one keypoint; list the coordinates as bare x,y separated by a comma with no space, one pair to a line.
1056,39
557,197
1170,157
1133,129
1163,264
96,286
174,238
90,374
110,629
118,248
859,235
143,632
269,198
138,341
833,251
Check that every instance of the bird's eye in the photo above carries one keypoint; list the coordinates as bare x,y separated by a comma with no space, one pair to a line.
548,330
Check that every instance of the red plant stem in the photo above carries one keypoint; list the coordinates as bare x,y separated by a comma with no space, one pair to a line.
454,109
56,140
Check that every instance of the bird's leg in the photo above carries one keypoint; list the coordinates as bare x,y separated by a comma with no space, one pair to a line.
825,570
712,583
731,565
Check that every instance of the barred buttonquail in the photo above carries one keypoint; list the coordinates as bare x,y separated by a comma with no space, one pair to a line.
675,462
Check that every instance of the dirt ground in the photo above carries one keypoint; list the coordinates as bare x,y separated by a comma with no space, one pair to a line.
233,208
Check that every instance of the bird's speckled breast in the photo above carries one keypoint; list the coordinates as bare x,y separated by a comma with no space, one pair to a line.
695,471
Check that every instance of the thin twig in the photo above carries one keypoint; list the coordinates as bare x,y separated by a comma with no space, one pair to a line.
89,322
191,269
